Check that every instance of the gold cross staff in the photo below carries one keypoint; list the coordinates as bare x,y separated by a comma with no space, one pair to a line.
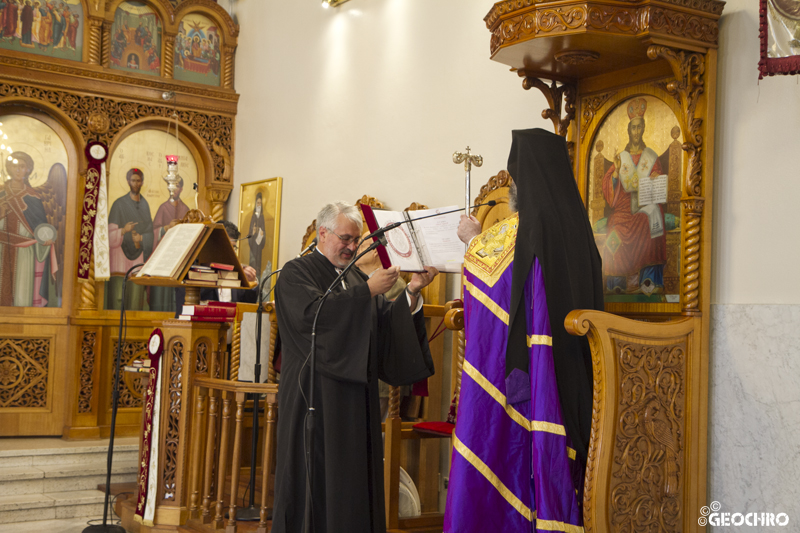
468,160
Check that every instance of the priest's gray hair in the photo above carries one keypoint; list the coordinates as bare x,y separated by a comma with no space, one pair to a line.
326,218
512,198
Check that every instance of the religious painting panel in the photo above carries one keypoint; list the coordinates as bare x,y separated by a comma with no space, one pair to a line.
33,199
52,28
634,167
259,221
136,39
779,31
197,50
142,210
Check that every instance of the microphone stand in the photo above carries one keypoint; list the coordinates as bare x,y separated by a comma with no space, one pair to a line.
251,512
105,527
310,420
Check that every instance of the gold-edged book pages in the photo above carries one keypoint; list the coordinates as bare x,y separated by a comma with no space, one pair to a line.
171,254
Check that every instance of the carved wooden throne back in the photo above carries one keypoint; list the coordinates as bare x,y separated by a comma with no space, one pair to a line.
644,471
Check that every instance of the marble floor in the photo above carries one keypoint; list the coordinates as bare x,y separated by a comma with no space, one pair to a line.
66,525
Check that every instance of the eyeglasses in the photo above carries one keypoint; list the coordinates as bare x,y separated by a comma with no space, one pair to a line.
347,240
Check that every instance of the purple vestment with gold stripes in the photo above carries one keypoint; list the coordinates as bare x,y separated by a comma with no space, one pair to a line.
513,468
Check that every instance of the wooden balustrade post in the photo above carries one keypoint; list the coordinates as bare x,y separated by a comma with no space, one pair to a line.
213,398
266,463
223,458
236,462
201,393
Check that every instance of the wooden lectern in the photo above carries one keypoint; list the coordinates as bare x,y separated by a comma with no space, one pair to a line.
191,349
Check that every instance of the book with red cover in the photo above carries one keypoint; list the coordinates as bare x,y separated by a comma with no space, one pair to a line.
209,310
191,318
221,266
215,303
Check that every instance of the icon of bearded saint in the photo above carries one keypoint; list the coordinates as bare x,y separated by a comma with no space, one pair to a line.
32,228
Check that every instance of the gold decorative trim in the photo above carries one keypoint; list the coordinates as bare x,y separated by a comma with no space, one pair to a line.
490,476
490,304
555,525
516,416
540,340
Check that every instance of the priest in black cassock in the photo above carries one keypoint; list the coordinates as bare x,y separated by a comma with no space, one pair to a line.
361,337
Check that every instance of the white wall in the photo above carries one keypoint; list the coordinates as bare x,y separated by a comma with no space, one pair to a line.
758,123
372,97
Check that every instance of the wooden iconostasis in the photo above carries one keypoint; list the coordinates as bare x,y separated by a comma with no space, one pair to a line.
146,78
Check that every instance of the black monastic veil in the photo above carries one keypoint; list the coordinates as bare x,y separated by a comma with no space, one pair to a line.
554,227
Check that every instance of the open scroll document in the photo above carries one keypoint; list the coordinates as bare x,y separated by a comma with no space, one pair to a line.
171,253
419,243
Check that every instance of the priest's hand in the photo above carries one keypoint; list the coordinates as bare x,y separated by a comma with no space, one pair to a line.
468,228
421,280
250,273
383,280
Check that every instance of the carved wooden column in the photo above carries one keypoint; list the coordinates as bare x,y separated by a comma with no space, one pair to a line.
106,51
88,290
169,56
688,87
216,199
95,40
227,68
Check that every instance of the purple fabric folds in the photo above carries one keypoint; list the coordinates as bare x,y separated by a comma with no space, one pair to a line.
511,466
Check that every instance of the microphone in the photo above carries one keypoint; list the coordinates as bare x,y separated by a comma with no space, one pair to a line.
309,248
389,227
243,238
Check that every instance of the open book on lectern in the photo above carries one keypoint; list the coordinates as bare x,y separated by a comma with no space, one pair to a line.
418,243
186,247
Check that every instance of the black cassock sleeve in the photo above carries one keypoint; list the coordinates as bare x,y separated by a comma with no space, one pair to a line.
343,327
403,343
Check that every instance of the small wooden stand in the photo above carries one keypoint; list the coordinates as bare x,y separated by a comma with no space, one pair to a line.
191,349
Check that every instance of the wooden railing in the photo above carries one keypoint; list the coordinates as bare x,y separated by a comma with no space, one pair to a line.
217,443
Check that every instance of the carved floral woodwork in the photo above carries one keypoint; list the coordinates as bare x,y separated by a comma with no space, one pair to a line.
646,467
24,372
202,352
131,386
173,413
519,20
554,94
215,130
649,450
86,384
